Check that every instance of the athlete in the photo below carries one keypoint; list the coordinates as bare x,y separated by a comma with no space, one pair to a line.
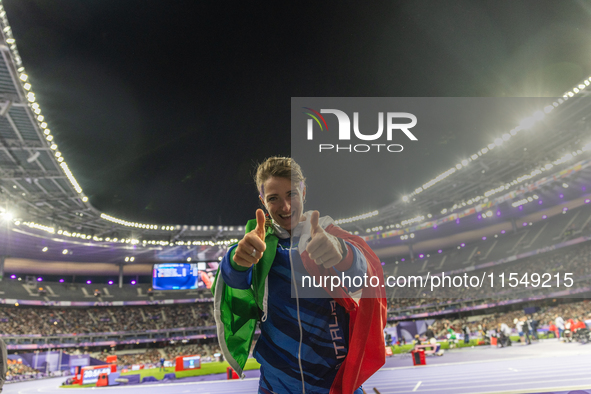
320,341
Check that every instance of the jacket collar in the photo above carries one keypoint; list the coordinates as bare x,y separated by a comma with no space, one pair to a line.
302,228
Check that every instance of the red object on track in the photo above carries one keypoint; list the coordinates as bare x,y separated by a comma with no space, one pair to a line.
103,380
231,374
418,357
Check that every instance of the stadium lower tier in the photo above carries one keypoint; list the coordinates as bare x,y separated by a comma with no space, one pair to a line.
562,273
454,331
46,321
23,366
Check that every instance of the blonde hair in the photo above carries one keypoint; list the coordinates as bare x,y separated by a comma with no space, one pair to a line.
283,167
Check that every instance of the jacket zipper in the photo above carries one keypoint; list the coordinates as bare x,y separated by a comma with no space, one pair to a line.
298,311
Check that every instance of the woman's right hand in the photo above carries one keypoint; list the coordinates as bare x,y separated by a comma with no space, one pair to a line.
250,249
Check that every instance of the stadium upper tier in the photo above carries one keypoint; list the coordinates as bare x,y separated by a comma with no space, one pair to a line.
24,321
558,213
51,327
541,273
78,294
493,241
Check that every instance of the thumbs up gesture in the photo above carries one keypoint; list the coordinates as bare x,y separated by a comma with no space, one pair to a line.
250,249
323,248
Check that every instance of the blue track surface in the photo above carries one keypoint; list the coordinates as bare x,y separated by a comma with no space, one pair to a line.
548,367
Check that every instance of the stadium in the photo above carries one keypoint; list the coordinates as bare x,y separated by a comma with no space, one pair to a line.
487,266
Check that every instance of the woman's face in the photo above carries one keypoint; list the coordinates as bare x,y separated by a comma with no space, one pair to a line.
284,201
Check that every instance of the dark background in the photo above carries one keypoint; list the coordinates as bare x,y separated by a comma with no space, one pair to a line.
162,108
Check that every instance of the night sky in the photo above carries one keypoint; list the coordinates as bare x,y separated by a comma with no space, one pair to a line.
162,108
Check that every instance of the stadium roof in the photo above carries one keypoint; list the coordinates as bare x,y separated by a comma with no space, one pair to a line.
37,186
547,148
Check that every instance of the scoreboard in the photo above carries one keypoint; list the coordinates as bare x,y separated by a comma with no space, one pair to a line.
177,276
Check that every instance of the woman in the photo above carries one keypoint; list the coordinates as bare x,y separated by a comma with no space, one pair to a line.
316,340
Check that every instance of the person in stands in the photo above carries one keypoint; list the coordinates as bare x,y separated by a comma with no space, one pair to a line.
553,329
559,321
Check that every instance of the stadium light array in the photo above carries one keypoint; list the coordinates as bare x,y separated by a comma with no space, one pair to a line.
538,171
416,219
38,226
524,201
7,215
30,96
486,202
43,125
135,224
358,217
524,125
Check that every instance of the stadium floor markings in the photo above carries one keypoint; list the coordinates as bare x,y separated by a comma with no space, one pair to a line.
534,372
246,386
469,378
476,386
476,389
491,373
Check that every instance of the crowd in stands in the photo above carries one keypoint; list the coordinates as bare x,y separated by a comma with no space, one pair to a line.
51,321
574,260
516,321
47,321
477,327
153,356
149,358
19,370
204,350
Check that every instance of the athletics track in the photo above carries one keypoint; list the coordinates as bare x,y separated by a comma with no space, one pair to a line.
545,367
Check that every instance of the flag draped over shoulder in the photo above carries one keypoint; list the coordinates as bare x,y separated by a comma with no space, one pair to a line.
237,311
367,319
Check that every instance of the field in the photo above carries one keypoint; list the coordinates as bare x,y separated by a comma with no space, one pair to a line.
206,369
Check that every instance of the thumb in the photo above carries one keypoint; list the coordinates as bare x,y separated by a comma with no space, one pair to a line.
260,228
315,228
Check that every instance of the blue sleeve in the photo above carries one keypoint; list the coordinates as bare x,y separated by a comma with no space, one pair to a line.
234,278
358,267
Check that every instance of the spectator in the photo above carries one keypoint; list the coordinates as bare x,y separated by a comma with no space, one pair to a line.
429,333
466,331
559,321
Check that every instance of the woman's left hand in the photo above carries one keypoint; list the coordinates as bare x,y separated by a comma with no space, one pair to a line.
323,248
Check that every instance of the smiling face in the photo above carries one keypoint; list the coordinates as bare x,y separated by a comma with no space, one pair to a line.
284,201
